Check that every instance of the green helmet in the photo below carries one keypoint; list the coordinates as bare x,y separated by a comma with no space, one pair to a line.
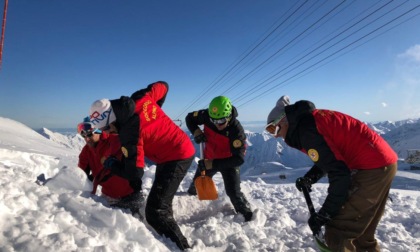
220,107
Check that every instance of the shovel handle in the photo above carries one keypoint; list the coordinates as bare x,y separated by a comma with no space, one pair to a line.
311,208
201,151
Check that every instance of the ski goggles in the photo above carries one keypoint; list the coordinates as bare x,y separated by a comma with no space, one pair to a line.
274,127
220,121
86,129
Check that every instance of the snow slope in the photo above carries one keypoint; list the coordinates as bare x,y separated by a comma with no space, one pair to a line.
64,216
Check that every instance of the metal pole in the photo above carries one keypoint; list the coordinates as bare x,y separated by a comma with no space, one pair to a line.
3,28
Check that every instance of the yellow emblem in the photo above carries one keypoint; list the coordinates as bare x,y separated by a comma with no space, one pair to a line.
124,151
195,113
237,143
313,154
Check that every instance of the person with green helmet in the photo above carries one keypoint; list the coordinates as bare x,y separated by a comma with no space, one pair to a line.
224,150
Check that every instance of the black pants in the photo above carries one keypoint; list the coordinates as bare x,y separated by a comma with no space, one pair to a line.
159,213
232,181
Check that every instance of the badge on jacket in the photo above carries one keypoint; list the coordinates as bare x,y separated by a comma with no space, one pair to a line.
313,154
124,151
237,143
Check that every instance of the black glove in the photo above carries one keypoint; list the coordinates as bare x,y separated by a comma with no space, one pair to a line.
201,165
317,220
304,182
111,162
88,174
201,138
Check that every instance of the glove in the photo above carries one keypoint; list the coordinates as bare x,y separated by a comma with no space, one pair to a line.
201,165
317,220
199,136
110,162
304,182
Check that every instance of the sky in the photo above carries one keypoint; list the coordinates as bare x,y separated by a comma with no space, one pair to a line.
358,57
62,215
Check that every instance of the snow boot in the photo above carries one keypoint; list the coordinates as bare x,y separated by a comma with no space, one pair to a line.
243,208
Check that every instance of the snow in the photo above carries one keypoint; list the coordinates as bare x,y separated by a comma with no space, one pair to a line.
62,215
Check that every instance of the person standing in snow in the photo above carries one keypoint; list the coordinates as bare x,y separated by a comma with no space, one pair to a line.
117,190
146,131
224,151
359,163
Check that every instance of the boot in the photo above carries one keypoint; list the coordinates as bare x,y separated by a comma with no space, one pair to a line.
244,209
136,214
247,215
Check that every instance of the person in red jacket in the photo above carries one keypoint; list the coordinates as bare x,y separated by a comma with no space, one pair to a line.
118,191
359,163
146,131
224,150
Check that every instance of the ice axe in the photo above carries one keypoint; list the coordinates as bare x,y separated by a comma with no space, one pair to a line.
319,238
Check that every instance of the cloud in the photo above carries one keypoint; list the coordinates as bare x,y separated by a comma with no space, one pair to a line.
412,53
384,104
367,113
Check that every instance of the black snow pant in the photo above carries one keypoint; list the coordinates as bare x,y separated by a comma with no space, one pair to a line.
159,213
232,180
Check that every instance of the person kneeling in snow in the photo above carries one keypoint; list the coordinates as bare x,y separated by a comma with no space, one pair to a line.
118,191
224,151
359,163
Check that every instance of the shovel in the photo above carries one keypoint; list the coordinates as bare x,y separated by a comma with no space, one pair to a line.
319,240
206,190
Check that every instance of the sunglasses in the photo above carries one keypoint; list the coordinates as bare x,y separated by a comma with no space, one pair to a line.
274,127
220,121
86,129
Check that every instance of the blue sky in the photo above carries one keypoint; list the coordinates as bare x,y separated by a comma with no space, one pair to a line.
351,56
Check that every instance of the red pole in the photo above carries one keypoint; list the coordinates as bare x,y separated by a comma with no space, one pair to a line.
3,28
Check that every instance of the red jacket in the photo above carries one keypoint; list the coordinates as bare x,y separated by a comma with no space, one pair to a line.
352,141
90,158
336,143
146,131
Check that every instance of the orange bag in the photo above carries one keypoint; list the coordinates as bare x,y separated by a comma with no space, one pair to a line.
206,190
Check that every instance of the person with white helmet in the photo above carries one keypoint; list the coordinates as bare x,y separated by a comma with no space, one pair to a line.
146,131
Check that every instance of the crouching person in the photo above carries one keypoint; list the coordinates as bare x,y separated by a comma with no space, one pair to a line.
118,191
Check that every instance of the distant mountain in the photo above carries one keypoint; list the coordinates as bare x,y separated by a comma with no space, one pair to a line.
266,154
68,140
384,127
404,137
